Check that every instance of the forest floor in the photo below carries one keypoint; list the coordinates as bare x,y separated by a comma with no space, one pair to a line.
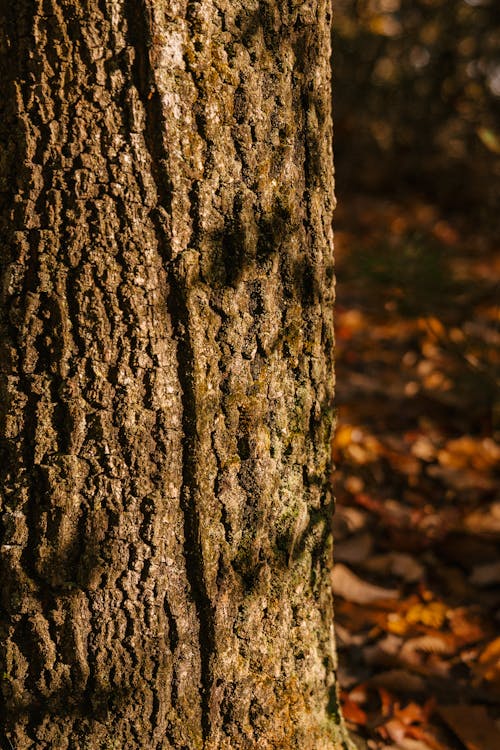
417,455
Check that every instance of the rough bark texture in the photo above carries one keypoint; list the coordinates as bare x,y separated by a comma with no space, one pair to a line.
166,375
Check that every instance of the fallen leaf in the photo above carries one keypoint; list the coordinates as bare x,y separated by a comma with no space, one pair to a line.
348,520
424,448
424,742
445,233
384,652
359,742
469,451
354,550
489,139
408,743
432,614
403,462
462,478
418,458
354,484
345,435
486,575
348,585
396,624
395,729
412,713
386,701
465,627
488,666
399,681
473,726
352,712
345,637
427,644
398,564
360,454
484,521
492,651
357,618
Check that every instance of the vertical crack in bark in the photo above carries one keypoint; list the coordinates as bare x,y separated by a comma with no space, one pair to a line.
177,305
140,35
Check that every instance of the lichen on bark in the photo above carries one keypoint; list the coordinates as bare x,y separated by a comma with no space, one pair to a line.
166,375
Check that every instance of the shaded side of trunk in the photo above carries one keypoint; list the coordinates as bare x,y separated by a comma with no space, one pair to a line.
166,375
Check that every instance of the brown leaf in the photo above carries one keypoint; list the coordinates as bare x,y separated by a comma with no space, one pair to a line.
421,740
358,618
348,521
403,462
348,585
486,575
473,726
399,681
354,550
466,628
384,652
426,644
484,521
346,637
492,651
462,478
488,667
468,451
398,564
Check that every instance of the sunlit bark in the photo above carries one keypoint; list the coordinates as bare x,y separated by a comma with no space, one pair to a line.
166,364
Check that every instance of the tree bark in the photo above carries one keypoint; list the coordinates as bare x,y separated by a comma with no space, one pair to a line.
166,375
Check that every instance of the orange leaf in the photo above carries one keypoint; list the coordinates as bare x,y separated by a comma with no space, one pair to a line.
410,714
433,614
352,712
386,700
489,663
491,652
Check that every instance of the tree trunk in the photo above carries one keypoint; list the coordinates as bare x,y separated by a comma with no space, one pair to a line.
166,375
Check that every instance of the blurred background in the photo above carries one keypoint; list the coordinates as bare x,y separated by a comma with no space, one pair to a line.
417,94
417,447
